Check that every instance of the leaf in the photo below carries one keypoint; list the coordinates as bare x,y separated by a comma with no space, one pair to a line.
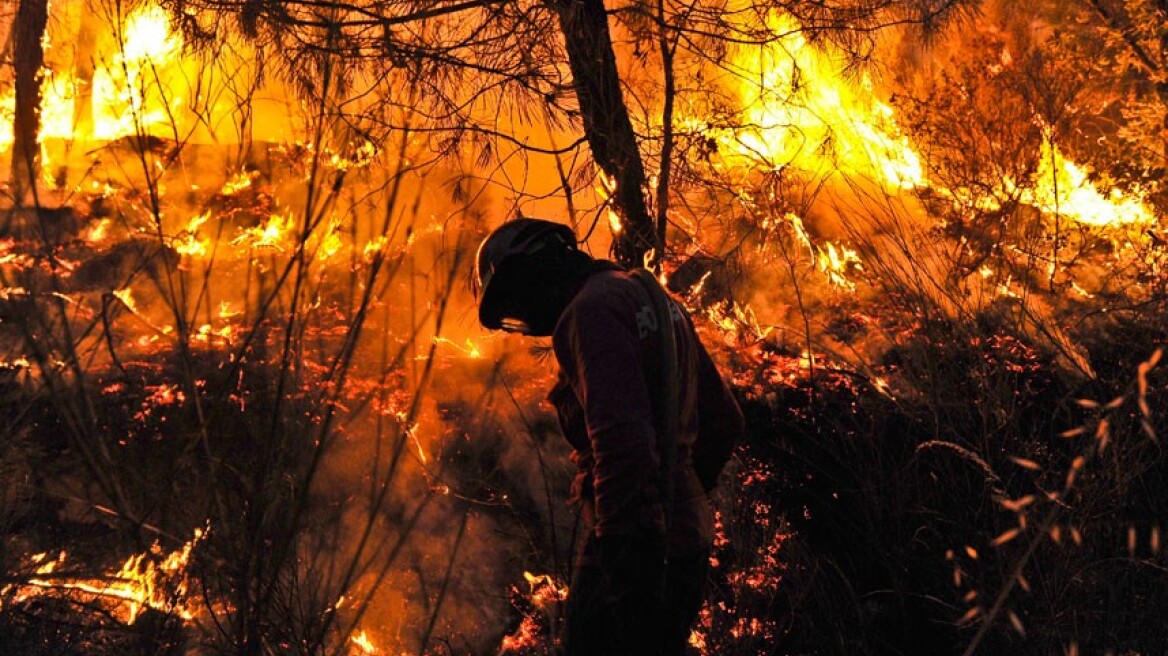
1102,428
1025,463
1014,505
1152,361
1016,623
1023,583
1006,537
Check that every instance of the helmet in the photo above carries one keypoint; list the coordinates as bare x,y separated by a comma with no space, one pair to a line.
505,264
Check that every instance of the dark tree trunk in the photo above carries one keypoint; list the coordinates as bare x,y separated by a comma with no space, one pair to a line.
27,58
606,121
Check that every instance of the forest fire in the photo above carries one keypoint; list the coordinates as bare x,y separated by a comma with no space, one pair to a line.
235,246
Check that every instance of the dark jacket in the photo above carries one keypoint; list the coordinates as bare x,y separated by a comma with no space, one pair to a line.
607,344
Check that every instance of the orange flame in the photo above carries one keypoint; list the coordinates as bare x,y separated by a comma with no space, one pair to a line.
146,580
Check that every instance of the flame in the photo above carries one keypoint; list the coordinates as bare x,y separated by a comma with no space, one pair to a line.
96,232
1064,188
605,191
270,235
545,593
124,89
148,48
127,298
238,182
189,242
374,248
147,36
330,244
836,262
526,636
226,311
470,349
364,644
362,156
804,111
145,580
545,589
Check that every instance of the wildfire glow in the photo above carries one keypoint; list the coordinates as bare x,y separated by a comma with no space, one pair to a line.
124,91
806,114
147,36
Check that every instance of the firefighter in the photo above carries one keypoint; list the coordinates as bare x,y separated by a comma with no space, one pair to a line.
649,418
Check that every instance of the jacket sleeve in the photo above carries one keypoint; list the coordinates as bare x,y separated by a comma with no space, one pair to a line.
720,422
601,356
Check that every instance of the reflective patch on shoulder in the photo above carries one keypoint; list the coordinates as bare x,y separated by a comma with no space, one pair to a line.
646,321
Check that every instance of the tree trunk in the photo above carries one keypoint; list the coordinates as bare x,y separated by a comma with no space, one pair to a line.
606,121
28,58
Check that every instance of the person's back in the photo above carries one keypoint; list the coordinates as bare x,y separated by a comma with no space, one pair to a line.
632,591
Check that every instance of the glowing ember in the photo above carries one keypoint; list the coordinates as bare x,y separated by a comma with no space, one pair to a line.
238,182
545,589
470,349
363,644
272,234
127,298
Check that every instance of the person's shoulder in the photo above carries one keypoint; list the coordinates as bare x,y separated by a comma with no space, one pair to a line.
604,287
604,302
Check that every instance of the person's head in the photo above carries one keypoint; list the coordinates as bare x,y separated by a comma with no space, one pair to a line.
527,271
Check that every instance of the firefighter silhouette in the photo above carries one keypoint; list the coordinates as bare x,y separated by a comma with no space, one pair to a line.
650,420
